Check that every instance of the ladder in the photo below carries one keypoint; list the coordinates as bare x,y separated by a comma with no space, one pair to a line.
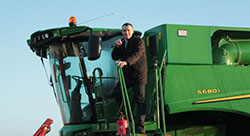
99,99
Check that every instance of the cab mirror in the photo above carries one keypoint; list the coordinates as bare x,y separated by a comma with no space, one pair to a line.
94,47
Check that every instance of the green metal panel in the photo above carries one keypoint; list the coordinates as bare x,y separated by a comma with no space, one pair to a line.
160,42
194,48
72,130
218,130
187,86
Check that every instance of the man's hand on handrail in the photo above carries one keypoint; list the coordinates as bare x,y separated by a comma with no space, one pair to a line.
121,63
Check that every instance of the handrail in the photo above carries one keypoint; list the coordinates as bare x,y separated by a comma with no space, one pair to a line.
157,95
163,59
125,98
158,81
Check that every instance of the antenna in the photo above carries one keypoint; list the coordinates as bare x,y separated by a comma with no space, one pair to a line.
97,18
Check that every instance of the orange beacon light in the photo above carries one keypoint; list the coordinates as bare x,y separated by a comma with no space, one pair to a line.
72,21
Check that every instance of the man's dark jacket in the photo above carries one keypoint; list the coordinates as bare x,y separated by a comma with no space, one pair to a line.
135,72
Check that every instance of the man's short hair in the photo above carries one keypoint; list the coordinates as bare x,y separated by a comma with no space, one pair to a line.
127,24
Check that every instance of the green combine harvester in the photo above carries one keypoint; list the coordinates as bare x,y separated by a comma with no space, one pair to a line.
198,80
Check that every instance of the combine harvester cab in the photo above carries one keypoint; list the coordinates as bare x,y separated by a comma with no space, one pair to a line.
198,80
83,75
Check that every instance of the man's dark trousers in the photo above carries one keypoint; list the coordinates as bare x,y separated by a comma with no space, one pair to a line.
139,98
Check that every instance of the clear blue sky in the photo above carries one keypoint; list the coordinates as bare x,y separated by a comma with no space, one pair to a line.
26,99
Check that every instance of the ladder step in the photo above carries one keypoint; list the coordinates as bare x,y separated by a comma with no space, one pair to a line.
99,103
97,86
101,120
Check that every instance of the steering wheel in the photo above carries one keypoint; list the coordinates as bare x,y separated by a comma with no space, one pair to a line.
77,78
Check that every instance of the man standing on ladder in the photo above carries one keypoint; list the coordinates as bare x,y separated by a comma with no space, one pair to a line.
131,56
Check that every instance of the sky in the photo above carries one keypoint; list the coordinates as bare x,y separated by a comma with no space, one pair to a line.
26,99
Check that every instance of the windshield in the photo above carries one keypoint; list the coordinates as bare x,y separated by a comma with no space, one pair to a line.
67,75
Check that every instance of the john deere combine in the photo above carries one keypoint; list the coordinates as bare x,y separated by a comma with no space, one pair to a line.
198,80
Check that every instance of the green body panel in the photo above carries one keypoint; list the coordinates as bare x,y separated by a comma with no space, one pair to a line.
69,130
96,129
201,131
195,48
187,84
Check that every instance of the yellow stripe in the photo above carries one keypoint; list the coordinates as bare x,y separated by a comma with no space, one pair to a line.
224,99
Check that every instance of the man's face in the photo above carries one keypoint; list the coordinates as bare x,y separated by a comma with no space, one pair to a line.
127,31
